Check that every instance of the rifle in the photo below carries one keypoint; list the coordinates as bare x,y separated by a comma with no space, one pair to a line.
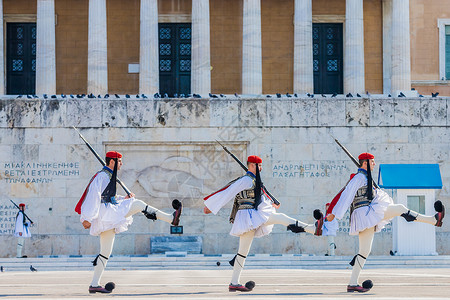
22,211
102,161
275,201
356,162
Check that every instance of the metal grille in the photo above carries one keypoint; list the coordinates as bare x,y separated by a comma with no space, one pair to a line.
185,49
20,49
19,35
185,33
332,65
165,65
164,33
17,65
185,65
165,49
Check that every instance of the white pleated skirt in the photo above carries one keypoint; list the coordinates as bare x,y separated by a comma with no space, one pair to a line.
253,219
372,215
112,216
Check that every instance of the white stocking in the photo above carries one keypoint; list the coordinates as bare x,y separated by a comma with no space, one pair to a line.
365,246
279,218
395,210
106,245
20,243
245,242
139,205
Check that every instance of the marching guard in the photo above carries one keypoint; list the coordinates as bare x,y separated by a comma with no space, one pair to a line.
370,210
253,215
104,213
22,230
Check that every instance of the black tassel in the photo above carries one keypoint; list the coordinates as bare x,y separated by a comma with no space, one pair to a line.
232,261
94,262
369,182
352,263
257,188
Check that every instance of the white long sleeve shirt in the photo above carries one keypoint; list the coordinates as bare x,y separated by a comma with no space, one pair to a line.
347,196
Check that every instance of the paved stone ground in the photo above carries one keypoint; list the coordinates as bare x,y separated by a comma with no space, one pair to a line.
426,283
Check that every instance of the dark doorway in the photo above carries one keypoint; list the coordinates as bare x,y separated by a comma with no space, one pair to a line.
174,58
327,58
21,58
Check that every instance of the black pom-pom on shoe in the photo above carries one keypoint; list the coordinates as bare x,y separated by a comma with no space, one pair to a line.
250,285
368,284
110,286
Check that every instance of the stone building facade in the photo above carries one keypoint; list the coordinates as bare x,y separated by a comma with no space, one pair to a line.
67,49
243,46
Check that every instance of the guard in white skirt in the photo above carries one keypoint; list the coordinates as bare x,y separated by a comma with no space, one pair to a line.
105,213
22,230
370,210
253,215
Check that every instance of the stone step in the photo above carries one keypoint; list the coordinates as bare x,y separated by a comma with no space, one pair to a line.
192,262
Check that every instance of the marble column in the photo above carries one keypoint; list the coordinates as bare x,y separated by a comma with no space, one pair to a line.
303,47
97,49
354,76
387,46
45,47
251,48
200,57
401,51
2,57
148,49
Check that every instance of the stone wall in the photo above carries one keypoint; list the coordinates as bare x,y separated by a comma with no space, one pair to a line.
170,152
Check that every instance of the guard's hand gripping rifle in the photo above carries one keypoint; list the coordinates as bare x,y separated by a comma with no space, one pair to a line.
22,211
356,162
275,201
102,161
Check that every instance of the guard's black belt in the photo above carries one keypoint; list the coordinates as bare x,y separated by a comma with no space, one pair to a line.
361,203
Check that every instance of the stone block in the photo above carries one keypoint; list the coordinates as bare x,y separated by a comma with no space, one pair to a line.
124,244
140,113
193,113
53,113
38,244
279,112
166,113
357,112
224,113
252,113
382,112
114,113
433,112
407,113
142,244
331,112
39,136
89,245
304,112
25,113
84,113
5,114
64,244
189,244
56,188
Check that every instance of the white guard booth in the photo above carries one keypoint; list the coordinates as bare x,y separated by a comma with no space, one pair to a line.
414,186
